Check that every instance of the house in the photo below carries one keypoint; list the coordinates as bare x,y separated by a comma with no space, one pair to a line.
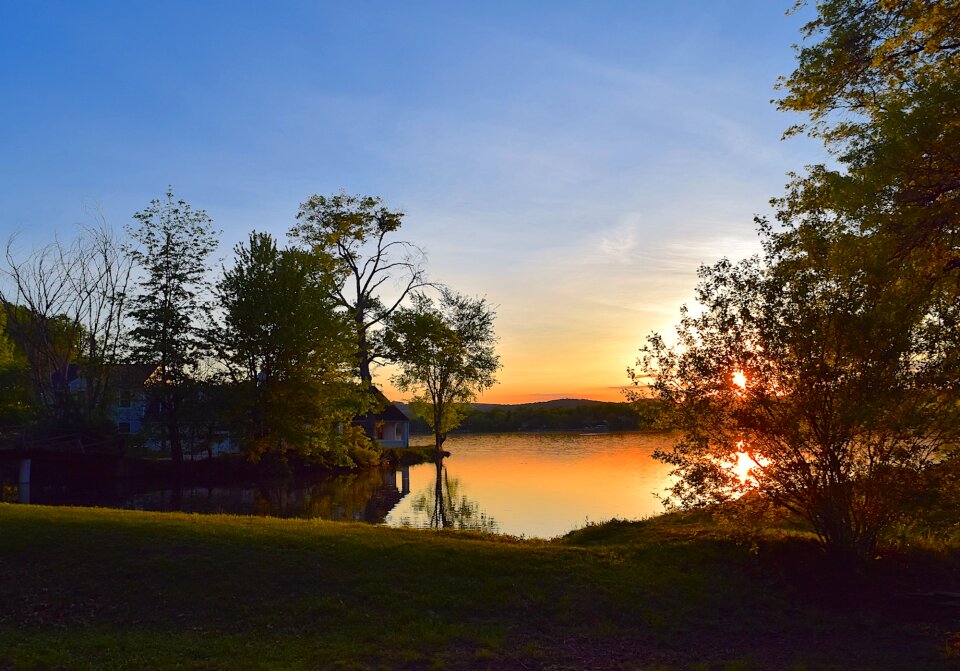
135,413
389,427
126,400
130,404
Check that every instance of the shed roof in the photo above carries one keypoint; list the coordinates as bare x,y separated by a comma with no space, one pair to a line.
387,410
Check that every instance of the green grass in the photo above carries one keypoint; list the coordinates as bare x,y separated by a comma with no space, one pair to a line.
106,589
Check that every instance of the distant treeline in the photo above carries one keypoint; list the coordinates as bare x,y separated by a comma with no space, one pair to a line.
588,416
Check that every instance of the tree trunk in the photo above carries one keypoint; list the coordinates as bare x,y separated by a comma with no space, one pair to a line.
846,543
363,350
176,448
438,440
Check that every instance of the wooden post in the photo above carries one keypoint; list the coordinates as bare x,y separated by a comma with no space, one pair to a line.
404,479
23,482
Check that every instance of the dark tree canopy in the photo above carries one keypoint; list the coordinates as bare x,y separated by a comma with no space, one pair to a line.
169,312
354,237
16,407
290,351
880,81
833,359
817,376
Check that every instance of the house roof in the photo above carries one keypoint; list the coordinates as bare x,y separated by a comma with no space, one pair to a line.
388,411
392,413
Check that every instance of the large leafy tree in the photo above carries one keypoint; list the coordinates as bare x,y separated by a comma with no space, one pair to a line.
355,237
169,309
289,350
843,336
445,352
806,367
880,83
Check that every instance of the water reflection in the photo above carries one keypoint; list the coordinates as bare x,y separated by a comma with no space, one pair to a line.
445,506
520,484
363,496
542,484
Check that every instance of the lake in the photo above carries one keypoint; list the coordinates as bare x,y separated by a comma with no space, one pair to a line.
523,484
539,484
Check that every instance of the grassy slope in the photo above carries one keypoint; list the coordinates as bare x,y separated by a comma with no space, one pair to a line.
82,588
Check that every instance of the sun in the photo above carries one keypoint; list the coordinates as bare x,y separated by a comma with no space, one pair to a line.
746,466
740,379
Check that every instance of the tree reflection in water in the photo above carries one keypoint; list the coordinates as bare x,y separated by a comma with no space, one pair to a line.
448,508
362,496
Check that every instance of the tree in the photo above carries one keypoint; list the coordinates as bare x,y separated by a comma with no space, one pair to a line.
168,310
810,380
15,406
289,350
65,305
445,354
843,335
352,237
880,81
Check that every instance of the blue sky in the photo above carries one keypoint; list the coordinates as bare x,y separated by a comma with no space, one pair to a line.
572,161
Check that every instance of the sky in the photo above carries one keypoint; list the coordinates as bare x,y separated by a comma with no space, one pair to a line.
573,162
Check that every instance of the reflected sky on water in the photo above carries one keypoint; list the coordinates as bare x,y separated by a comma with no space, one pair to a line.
522,484
541,484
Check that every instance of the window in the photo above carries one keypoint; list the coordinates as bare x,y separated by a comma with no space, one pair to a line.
125,399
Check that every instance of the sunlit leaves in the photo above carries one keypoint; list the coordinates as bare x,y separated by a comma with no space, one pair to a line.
352,237
446,355
840,404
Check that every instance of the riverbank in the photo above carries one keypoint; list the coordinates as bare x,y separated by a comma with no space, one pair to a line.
102,589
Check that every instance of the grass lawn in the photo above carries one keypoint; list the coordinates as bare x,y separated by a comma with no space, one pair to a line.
106,589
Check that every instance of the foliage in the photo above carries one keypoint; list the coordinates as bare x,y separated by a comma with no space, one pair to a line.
843,403
880,80
359,449
542,417
872,57
175,243
845,330
445,354
15,402
290,351
65,305
352,237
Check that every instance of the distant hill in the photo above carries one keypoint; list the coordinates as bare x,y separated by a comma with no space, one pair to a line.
555,403
489,407
563,414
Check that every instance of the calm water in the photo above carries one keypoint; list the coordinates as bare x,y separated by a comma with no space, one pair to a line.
527,484
539,484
